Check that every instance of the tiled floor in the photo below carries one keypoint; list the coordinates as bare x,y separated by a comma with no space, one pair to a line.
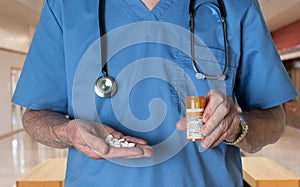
19,154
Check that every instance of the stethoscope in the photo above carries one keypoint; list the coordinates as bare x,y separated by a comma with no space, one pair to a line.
192,13
105,86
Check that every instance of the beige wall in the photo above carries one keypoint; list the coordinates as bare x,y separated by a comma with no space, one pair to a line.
15,38
8,59
14,34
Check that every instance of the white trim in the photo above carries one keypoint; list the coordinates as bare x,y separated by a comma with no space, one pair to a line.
291,55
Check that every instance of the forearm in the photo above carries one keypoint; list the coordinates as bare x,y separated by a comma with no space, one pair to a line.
265,127
47,127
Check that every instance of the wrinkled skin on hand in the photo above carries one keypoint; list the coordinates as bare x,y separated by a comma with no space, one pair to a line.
220,120
89,139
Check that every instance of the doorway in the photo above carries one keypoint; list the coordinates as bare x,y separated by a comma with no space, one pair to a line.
16,110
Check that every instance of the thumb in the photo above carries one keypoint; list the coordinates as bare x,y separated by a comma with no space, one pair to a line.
95,143
181,124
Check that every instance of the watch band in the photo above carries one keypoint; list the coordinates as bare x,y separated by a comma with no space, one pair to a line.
244,127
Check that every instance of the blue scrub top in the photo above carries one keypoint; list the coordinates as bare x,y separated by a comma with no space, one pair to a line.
149,56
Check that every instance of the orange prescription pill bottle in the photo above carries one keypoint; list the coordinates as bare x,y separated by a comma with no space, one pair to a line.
194,117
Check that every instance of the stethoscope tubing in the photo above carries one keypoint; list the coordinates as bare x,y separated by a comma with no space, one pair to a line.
103,39
192,12
105,86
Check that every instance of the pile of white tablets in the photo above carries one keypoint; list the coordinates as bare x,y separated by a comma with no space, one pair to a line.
110,140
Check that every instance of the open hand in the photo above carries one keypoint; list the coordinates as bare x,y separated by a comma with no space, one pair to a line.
89,138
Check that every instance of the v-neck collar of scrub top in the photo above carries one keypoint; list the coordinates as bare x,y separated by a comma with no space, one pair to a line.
141,13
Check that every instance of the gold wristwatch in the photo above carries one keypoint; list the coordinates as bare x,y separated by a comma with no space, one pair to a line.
244,131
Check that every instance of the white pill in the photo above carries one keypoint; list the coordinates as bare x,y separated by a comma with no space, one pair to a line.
122,139
124,145
116,141
131,144
110,140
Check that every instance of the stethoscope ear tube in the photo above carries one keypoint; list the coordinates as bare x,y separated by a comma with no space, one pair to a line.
222,8
200,75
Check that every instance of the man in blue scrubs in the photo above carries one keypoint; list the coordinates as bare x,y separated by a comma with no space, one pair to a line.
148,54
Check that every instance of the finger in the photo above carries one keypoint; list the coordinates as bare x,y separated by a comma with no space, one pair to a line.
117,134
135,140
220,140
220,132
148,151
128,152
214,139
116,152
225,128
215,119
181,124
230,134
210,139
85,149
113,132
234,130
95,143
213,98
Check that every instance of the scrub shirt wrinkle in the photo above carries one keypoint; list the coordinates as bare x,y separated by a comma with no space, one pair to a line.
44,91
256,73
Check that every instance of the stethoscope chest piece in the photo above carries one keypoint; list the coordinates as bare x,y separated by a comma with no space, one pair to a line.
105,86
